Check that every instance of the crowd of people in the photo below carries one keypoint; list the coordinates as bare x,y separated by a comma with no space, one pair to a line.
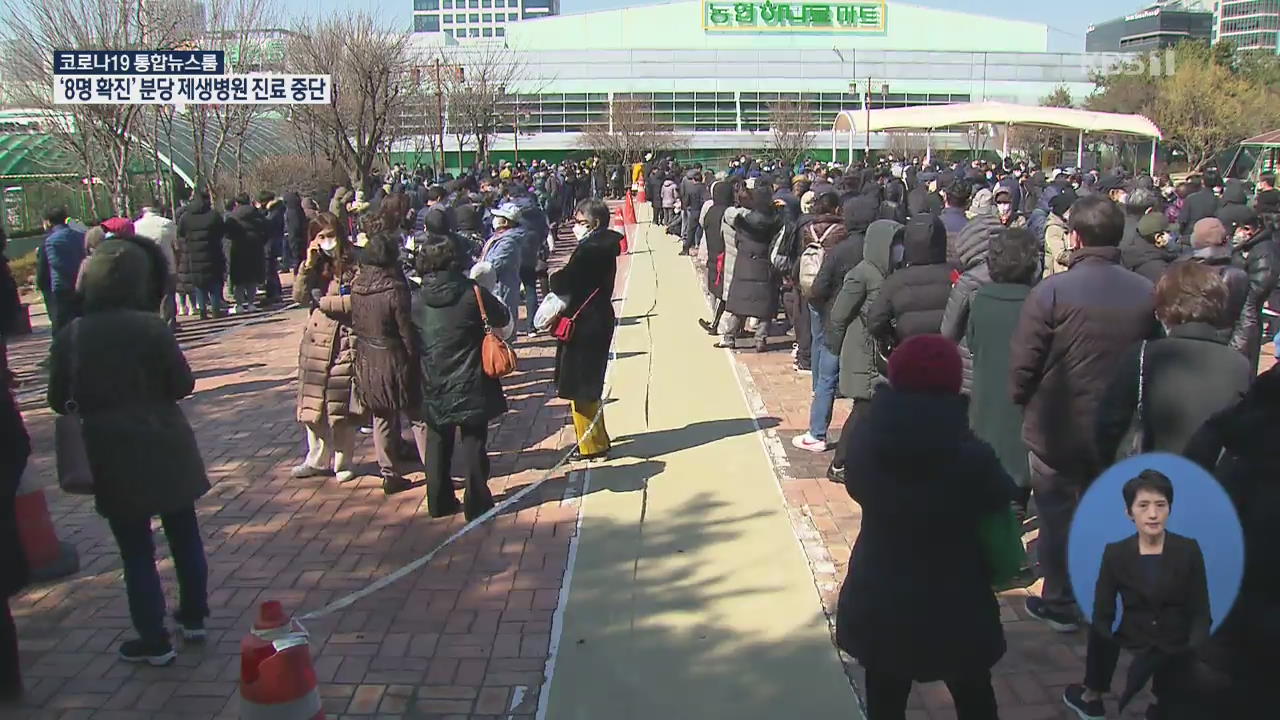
997,327
1006,334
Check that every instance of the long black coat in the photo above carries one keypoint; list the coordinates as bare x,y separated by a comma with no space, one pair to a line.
753,291
247,232
713,235
295,226
1247,462
15,448
923,481
913,299
454,387
201,262
132,374
581,363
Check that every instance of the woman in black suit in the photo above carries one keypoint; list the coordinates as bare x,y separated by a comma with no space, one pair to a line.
1160,578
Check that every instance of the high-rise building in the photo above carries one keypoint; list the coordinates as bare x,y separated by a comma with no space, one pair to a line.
477,19
1248,24
1158,25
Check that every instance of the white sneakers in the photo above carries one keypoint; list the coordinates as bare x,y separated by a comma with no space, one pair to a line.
809,442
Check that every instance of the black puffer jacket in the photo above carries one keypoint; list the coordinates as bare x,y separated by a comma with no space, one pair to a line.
923,482
247,230
912,299
754,289
1258,259
201,262
1146,259
1237,280
455,388
1198,206
295,225
971,251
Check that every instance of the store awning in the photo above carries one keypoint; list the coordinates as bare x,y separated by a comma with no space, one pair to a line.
1271,137
933,117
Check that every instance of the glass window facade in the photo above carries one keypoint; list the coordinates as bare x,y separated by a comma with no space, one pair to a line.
426,23
426,4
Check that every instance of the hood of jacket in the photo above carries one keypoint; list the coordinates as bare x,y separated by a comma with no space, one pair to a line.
762,226
121,275
820,224
1138,252
293,201
974,241
878,246
1233,193
924,241
247,212
722,193
371,280
863,210
444,288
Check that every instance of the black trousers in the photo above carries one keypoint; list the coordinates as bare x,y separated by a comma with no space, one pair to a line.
1100,662
10,671
61,307
973,696
797,309
856,414
476,499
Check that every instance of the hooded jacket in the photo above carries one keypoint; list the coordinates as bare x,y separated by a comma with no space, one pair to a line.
713,232
754,288
201,262
247,232
455,389
847,334
295,225
131,375
912,300
1233,209
971,250
1146,259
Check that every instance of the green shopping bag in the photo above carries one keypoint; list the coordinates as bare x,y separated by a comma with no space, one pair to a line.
1001,537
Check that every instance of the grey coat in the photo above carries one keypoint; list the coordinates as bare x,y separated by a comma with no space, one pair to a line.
847,321
971,251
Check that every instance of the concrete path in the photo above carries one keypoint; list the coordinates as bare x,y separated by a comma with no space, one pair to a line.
690,596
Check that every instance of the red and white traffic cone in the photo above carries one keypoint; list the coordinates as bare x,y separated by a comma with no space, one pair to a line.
629,211
620,227
48,557
277,680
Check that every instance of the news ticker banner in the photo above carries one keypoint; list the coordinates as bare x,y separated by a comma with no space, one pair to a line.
198,77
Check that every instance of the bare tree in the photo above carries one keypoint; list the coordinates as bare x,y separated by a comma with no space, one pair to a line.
370,66
906,144
791,130
100,137
630,131
481,88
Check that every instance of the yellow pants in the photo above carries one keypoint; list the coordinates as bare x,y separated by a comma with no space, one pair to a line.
598,440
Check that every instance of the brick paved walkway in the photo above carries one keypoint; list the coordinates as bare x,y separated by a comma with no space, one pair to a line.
465,636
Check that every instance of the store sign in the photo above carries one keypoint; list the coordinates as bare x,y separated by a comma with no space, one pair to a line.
788,17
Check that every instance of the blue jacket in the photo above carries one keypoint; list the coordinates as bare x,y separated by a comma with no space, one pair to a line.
63,251
504,254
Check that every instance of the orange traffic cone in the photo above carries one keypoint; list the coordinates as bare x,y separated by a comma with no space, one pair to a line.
277,680
48,557
629,211
640,196
619,226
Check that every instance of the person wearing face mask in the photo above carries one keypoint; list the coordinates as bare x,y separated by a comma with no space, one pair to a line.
1149,253
499,267
586,281
327,405
1255,252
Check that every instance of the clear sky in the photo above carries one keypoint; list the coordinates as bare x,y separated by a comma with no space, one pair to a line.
1067,20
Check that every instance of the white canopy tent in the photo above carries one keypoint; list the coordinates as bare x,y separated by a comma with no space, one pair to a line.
933,117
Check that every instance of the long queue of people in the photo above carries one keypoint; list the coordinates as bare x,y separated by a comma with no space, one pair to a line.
401,297
998,333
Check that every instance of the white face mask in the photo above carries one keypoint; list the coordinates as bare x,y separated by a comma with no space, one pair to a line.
1004,208
581,232
328,245
1240,238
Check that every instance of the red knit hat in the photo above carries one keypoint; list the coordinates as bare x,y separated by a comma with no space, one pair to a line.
926,364
118,226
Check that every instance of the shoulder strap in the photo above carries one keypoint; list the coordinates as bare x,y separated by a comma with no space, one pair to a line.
484,316
584,303
1142,362
74,352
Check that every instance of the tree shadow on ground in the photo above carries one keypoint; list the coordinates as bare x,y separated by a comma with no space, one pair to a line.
232,370
650,445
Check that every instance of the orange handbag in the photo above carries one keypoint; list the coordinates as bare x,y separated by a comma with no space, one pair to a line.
496,356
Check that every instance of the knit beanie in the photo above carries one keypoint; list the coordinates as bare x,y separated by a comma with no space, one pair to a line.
1208,232
926,364
1152,224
